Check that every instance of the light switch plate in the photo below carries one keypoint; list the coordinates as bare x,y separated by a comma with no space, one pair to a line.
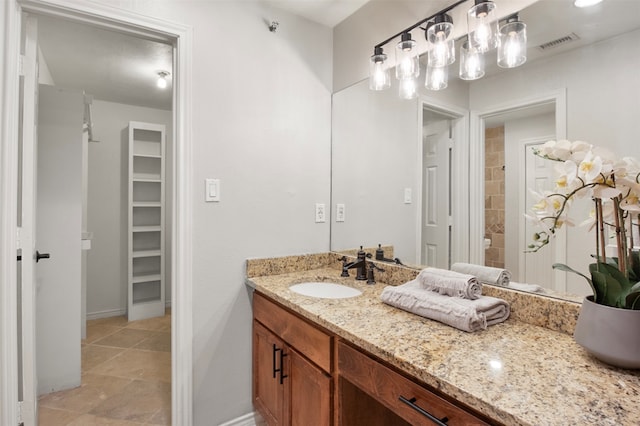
407,196
212,190
339,212
320,213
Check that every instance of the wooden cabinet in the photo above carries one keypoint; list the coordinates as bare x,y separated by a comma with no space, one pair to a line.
304,376
406,399
146,281
292,383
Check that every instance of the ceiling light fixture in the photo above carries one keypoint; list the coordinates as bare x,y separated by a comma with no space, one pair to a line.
162,79
512,50
407,58
484,34
586,3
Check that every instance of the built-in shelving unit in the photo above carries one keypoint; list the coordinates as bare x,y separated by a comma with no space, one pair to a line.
146,208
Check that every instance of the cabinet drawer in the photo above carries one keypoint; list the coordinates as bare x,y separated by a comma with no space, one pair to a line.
307,339
389,388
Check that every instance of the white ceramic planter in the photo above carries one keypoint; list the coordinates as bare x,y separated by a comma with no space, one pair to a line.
610,334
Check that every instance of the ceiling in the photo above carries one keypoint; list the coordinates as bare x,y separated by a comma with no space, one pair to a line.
326,12
116,67
109,65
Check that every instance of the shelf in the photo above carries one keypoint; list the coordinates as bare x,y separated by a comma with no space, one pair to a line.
147,179
147,155
146,217
146,300
147,253
146,228
147,204
146,278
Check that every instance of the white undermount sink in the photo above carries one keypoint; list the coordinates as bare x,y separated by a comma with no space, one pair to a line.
325,290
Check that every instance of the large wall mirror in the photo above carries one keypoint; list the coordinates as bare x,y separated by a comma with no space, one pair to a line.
443,178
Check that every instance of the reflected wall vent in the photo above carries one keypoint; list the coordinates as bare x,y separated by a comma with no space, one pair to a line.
559,42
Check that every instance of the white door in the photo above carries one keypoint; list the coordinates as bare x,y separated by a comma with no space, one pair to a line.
538,175
59,224
27,224
436,229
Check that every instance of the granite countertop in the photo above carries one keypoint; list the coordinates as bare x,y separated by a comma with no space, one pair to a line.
513,372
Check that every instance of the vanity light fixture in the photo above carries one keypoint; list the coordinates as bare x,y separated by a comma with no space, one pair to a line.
439,34
512,49
437,78
484,34
407,58
379,70
408,88
162,79
471,62
483,26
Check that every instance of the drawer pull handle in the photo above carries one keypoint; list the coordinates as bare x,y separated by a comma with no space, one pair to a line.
412,403
282,375
275,350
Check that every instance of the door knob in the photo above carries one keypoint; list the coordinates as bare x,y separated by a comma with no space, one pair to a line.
41,256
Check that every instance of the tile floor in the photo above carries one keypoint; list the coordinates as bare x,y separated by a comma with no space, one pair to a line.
126,377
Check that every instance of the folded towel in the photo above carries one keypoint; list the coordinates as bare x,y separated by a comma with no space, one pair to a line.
450,283
531,288
464,314
485,274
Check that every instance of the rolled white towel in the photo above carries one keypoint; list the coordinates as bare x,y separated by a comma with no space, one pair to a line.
450,283
485,274
463,314
531,288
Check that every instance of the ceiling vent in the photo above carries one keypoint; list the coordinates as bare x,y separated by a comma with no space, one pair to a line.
558,42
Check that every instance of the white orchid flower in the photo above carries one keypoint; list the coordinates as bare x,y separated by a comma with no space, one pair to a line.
631,203
561,150
567,173
590,168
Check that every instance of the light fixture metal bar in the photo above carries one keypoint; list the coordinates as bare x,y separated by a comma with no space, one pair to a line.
417,24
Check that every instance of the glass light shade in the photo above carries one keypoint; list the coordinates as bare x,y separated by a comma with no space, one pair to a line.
512,50
379,76
471,62
439,35
483,26
407,60
437,78
408,88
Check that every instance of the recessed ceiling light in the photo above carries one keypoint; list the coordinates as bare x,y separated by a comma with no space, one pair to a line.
162,79
585,3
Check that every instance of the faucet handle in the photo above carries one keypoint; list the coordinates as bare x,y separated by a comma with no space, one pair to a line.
370,276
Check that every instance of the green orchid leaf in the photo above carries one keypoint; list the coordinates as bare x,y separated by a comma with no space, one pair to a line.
634,272
599,286
635,287
614,272
563,267
633,300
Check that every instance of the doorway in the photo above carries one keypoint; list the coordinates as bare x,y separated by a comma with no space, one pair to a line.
505,167
442,223
103,16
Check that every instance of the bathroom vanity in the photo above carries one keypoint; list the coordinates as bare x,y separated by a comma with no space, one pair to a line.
357,361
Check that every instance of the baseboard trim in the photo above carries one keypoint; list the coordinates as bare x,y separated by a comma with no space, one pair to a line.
249,419
106,314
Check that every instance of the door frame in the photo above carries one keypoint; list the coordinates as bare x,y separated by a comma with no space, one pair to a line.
476,168
104,16
459,181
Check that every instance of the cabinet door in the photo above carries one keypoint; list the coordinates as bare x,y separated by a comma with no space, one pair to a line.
310,392
268,392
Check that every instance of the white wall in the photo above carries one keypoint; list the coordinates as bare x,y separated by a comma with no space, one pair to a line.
107,207
261,124
602,89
